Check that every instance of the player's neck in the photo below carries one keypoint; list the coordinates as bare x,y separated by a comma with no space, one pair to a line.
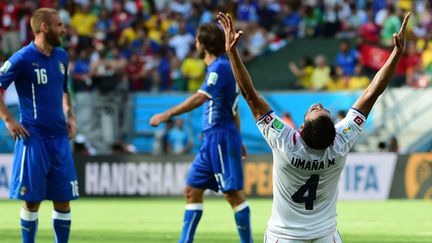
209,58
43,46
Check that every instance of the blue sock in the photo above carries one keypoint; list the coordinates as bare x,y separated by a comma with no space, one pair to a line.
29,224
192,216
242,218
61,223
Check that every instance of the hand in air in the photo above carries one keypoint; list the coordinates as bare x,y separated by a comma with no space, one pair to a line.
231,36
399,38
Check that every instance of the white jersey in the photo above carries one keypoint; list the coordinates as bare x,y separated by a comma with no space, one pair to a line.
305,181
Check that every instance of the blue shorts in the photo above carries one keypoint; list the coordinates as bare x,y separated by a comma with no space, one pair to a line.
218,165
43,169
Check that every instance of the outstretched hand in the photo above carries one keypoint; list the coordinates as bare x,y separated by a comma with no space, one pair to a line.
158,119
399,38
231,36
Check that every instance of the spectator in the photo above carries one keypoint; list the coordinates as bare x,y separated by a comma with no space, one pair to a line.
426,59
179,140
136,75
256,41
304,73
347,58
391,24
291,21
352,21
413,65
247,11
193,70
359,80
81,72
84,22
321,73
337,80
369,31
106,72
119,148
9,11
393,145
311,18
182,7
160,145
181,42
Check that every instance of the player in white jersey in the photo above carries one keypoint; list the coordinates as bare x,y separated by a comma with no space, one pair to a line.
307,163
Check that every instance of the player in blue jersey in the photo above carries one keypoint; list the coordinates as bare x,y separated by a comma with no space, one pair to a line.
43,166
218,165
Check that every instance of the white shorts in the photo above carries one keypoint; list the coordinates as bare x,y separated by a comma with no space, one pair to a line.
332,238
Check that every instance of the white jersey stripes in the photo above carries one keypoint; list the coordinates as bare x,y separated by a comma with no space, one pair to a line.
305,181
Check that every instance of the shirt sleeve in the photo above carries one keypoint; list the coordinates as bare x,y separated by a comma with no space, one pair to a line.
348,130
275,131
213,83
10,71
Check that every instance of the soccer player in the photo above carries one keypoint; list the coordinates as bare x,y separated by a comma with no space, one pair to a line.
218,165
43,165
307,163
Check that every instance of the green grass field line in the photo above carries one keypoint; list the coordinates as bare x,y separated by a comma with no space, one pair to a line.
159,220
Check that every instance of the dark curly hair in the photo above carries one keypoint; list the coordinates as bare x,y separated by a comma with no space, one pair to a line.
319,133
211,38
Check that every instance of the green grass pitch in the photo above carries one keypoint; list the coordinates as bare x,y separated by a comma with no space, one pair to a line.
159,220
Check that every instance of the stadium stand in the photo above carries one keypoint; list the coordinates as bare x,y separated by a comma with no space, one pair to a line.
128,49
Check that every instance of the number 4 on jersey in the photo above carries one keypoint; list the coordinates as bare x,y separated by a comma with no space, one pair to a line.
310,186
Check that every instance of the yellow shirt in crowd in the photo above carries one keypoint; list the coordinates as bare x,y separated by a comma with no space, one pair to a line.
194,69
84,23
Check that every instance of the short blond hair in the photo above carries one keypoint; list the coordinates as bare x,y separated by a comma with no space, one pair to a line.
41,15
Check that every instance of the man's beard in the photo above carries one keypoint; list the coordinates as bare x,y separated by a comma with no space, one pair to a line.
53,39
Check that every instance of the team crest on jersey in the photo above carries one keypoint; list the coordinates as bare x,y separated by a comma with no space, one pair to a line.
358,120
277,125
62,68
346,130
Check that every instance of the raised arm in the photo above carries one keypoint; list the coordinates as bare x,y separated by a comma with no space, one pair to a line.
366,101
256,102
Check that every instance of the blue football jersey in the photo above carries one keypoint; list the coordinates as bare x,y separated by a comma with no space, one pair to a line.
222,90
40,82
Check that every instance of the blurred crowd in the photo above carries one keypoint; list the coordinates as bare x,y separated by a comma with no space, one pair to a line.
148,45
357,22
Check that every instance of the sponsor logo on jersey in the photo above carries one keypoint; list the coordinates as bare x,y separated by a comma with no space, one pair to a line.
277,125
212,78
268,118
62,68
35,64
358,120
